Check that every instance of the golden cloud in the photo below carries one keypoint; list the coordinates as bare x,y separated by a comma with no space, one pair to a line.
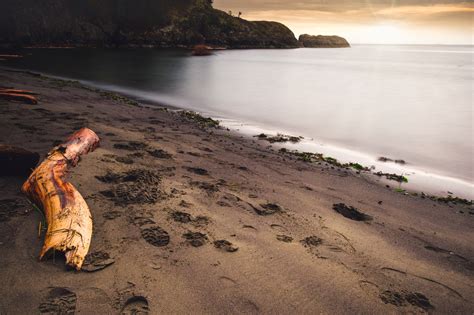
445,22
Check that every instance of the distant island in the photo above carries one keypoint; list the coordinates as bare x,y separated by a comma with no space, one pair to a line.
139,23
321,41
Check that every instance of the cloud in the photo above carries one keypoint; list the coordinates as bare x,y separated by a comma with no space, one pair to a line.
328,5
452,20
359,10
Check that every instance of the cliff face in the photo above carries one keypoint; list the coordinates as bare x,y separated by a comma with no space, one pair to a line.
217,28
81,22
160,23
321,41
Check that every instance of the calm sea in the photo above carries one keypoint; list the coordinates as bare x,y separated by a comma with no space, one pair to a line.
404,102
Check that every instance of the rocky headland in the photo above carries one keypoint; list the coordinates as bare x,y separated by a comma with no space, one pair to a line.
322,41
141,23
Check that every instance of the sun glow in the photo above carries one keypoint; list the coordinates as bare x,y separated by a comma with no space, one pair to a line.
371,22
380,32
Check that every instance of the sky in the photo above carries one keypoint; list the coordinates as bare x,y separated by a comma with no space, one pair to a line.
367,21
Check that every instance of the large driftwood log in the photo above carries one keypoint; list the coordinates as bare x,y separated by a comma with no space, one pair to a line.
67,214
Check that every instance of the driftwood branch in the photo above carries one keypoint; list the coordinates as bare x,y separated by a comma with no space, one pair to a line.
17,91
18,95
67,214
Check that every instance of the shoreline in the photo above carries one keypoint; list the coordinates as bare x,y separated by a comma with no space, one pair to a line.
237,215
421,180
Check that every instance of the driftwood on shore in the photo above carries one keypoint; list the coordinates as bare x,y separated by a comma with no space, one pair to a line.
18,95
67,214
17,91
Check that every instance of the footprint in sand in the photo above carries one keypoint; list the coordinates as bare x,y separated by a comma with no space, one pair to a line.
143,219
222,203
244,306
266,209
249,227
60,301
138,186
195,239
225,246
197,171
136,305
201,220
311,241
131,146
124,160
227,282
12,207
185,204
111,215
422,281
155,235
97,261
207,187
182,217
284,238
452,256
160,154
369,287
406,298
278,227
351,212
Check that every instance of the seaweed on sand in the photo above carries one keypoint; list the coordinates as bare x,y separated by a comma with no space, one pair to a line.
203,122
395,177
318,157
279,138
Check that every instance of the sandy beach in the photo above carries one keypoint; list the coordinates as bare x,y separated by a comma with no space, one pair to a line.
192,219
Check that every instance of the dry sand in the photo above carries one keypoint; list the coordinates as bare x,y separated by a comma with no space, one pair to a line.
193,220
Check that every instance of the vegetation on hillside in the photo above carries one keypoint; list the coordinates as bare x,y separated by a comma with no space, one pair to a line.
161,23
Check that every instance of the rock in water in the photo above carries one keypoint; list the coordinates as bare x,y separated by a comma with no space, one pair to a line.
16,161
322,41
202,50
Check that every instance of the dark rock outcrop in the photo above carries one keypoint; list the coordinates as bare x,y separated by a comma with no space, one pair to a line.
16,161
133,23
322,41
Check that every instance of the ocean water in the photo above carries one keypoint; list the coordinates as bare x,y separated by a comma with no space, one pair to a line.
404,102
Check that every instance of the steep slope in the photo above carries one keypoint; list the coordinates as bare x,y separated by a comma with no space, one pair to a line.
161,23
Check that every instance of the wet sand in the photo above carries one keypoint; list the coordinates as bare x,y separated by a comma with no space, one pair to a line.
191,219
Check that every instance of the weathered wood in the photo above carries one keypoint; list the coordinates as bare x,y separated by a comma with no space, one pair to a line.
18,97
67,214
17,91
16,161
